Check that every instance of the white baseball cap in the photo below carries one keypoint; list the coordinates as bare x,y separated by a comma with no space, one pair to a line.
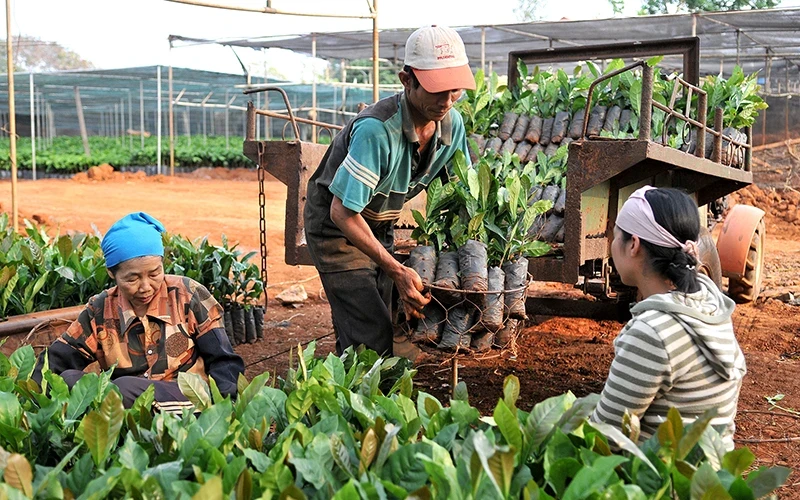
439,60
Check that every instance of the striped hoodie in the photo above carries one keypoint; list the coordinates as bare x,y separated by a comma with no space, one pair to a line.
678,350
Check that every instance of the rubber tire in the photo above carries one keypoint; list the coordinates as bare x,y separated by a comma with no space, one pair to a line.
747,288
709,257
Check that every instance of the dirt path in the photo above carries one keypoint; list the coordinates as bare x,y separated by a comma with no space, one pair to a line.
553,355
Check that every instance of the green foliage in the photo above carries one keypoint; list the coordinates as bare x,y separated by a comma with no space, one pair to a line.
346,427
66,153
39,272
493,197
676,6
484,106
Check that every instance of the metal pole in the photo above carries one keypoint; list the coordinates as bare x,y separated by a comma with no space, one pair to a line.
141,114
12,120
187,121
344,92
171,124
205,136
738,33
376,93
788,96
483,50
314,89
227,120
33,125
82,122
115,123
158,118
258,122
694,24
130,122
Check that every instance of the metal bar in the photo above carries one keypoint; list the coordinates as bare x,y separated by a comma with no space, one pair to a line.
130,121
269,10
702,116
158,119
33,126
12,119
313,114
483,50
171,123
376,80
534,35
316,123
603,78
716,154
227,121
291,116
786,115
141,113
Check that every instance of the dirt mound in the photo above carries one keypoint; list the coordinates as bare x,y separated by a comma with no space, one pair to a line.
100,174
229,174
780,204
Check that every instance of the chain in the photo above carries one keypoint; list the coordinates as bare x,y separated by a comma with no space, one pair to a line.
262,222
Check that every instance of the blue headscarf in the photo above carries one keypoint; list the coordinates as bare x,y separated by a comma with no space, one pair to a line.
135,235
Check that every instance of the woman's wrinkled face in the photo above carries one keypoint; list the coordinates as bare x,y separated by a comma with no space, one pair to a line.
139,279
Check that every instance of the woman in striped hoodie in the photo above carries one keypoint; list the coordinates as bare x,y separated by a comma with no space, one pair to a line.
679,348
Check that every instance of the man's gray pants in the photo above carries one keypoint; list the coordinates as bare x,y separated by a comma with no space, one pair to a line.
361,304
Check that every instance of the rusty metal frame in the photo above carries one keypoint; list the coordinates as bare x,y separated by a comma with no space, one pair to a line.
292,163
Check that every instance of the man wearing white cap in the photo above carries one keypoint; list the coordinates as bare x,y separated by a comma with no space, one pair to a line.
386,155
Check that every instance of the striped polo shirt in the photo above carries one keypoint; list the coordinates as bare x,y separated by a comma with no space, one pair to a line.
374,167
678,350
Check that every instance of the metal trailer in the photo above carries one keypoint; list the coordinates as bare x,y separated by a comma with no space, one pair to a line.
601,174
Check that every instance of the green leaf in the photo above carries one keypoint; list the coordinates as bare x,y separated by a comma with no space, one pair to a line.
195,389
592,479
24,360
544,416
713,447
133,456
404,468
211,490
706,484
623,442
670,431
82,395
460,393
298,403
101,427
655,61
511,391
765,480
738,461
508,424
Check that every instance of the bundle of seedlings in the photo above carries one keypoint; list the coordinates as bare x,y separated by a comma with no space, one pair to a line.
479,259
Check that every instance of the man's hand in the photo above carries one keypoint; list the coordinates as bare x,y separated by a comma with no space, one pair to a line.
408,282
410,287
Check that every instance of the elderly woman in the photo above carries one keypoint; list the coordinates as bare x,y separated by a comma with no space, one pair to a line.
149,327
679,349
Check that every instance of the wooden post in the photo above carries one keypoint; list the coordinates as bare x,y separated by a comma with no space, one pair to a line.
82,122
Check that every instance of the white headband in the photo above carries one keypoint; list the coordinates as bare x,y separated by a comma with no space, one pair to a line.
636,218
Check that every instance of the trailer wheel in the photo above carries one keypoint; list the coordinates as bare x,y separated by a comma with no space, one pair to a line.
709,257
747,288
